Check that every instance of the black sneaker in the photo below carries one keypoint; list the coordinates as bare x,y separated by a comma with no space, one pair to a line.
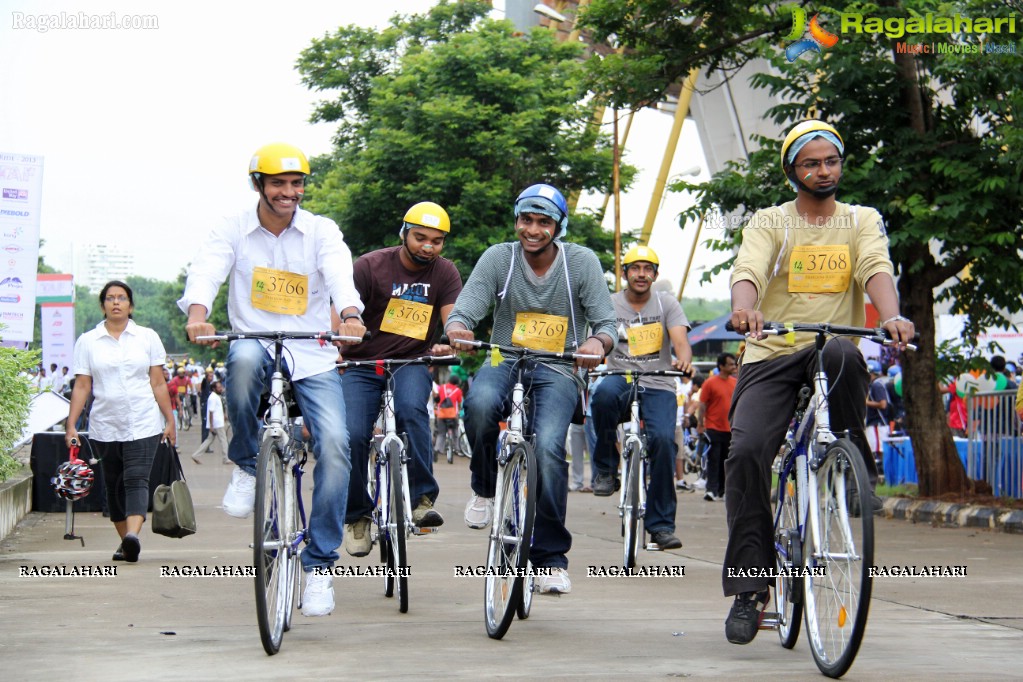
118,554
744,617
131,547
665,540
606,485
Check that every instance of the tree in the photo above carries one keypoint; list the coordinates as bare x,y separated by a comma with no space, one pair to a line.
455,108
176,340
932,141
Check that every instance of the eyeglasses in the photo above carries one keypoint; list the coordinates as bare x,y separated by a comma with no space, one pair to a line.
116,299
812,164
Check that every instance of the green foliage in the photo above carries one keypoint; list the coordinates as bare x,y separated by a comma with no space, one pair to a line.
455,108
15,397
176,340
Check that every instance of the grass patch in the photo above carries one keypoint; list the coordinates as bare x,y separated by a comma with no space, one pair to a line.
903,490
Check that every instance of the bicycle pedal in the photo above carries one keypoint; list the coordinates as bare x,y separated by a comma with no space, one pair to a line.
769,620
416,530
653,547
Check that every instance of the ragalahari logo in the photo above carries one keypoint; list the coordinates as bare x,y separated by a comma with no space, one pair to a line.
819,38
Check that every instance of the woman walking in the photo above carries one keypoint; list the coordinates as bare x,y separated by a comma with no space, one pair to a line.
121,365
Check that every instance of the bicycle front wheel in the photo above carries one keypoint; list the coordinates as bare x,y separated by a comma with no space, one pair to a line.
270,548
397,528
510,537
837,591
632,511
788,552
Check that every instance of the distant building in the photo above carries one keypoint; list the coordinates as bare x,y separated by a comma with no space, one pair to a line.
100,263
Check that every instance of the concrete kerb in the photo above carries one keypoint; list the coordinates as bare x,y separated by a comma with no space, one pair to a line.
953,514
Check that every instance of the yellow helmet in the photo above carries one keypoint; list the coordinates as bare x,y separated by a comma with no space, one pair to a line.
640,253
802,128
276,158
427,214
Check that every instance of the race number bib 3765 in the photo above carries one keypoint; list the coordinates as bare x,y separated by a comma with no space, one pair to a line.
407,318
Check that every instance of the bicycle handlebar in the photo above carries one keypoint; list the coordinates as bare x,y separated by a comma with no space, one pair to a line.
638,373
282,336
877,334
439,360
521,351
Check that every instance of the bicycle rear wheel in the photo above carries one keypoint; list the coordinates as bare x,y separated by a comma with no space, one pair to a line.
397,528
270,552
632,511
510,539
449,447
788,552
837,602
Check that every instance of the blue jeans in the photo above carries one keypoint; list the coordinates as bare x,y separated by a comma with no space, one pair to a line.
553,396
657,408
364,391
321,400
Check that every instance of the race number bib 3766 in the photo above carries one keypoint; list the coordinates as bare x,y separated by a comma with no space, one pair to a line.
278,291
819,269
540,332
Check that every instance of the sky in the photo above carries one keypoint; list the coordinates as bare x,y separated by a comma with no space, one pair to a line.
147,133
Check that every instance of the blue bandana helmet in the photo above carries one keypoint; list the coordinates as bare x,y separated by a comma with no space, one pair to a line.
544,200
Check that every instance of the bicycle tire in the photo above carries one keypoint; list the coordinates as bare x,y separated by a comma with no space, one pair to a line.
510,538
270,555
631,511
294,589
449,449
526,602
836,603
788,546
187,419
397,528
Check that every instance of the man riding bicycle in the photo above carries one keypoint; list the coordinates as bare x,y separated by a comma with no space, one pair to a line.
449,406
540,284
285,265
650,328
408,291
807,260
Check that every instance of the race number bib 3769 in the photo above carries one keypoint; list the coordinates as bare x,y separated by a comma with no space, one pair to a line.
540,332
278,291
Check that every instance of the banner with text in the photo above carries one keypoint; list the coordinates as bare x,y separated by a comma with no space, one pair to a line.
21,187
58,330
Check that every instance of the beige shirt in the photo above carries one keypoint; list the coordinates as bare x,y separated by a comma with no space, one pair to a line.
766,259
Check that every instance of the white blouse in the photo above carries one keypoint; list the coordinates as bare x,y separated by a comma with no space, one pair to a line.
124,408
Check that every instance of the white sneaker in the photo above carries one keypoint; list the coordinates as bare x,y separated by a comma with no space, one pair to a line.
701,484
555,583
240,497
318,595
479,512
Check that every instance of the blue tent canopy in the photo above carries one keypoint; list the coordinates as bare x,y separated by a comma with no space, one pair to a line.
713,331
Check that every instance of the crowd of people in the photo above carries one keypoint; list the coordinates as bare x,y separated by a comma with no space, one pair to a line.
290,269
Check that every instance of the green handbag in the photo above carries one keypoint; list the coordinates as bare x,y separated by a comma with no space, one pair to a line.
173,513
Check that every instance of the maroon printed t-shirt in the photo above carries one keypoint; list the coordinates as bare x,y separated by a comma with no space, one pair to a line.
379,277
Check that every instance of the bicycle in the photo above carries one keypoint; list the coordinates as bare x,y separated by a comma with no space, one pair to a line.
823,522
509,581
634,463
694,456
280,528
389,486
453,438
186,415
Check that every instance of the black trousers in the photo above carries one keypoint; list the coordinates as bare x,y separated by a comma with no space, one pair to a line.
126,468
720,441
762,406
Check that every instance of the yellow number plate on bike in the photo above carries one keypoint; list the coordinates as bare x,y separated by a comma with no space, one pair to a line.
279,291
819,269
540,332
407,318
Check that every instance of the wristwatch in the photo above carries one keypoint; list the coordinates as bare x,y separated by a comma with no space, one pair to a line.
350,316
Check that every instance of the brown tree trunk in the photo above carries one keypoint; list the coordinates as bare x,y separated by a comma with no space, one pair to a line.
938,466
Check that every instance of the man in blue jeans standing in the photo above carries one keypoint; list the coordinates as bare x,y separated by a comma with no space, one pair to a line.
650,327
408,291
285,266
543,280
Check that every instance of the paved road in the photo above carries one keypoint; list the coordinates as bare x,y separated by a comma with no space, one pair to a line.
139,625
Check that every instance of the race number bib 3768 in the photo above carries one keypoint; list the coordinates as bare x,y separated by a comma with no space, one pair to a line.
819,269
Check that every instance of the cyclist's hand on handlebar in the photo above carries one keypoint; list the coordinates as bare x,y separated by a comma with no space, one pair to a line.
592,346
440,349
201,328
748,322
902,331
356,329
683,365
456,334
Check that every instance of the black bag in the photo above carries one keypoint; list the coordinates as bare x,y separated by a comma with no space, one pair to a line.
446,404
173,513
